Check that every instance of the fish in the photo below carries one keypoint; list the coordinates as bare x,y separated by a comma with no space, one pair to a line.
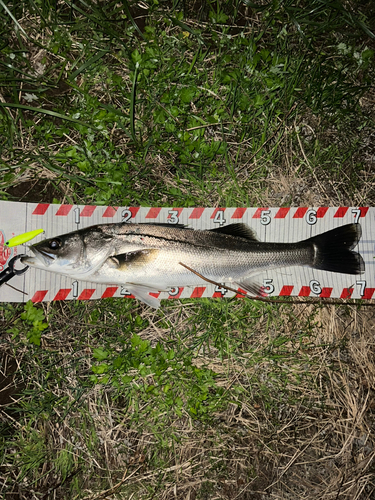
147,258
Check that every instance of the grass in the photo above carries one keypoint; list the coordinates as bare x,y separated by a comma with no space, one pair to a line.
187,104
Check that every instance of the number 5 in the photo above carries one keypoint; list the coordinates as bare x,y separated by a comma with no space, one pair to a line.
268,286
265,218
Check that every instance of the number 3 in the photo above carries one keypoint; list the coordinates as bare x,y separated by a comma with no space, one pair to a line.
173,216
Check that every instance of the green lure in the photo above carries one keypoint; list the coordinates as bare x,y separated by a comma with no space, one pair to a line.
23,238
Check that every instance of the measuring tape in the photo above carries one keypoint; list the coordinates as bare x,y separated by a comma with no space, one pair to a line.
285,224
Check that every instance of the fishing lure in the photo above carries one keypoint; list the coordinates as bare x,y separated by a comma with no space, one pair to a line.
23,238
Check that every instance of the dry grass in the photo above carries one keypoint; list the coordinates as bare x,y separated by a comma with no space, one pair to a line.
299,379
302,426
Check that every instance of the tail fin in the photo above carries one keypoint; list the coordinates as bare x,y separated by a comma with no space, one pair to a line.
333,250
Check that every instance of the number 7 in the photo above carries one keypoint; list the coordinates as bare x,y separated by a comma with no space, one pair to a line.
357,214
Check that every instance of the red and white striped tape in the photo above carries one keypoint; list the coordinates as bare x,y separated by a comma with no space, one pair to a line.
271,224
194,213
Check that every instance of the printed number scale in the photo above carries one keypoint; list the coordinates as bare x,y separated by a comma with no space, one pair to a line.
285,224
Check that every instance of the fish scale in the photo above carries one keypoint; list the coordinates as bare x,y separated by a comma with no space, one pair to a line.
152,257
270,223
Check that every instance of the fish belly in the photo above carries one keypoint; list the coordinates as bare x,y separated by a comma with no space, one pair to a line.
162,269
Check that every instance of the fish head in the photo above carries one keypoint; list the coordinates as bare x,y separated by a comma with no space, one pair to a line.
75,254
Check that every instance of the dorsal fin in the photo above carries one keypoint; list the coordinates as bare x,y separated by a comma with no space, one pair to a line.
237,229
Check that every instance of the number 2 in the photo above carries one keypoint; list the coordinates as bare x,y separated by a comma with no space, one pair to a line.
126,215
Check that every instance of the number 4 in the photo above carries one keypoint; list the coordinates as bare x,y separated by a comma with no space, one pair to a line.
221,290
219,217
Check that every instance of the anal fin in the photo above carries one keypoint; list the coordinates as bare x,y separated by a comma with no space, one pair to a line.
252,287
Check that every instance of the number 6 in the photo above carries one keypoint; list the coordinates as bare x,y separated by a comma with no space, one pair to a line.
311,217
315,287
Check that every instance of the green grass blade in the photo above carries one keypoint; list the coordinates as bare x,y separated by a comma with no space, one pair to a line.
132,103
13,68
96,19
130,17
88,63
185,27
362,25
47,112
2,4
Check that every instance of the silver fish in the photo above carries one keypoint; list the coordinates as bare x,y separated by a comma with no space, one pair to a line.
151,257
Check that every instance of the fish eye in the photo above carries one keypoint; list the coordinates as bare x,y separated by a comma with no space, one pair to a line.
55,243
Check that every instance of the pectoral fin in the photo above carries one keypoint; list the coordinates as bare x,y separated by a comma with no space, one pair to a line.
137,258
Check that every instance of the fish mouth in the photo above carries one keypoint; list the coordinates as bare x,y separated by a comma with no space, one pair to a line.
40,257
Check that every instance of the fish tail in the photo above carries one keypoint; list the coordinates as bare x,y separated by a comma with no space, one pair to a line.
333,250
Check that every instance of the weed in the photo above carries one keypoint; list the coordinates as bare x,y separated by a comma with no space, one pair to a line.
187,104
33,323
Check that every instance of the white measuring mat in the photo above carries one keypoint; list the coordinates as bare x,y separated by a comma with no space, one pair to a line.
270,224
